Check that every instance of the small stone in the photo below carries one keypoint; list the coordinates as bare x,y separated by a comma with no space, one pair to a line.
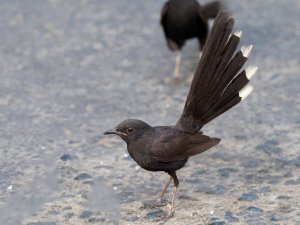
53,212
263,148
92,220
268,148
292,182
274,218
112,222
83,176
285,209
213,219
230,218
288,174
225,172
73,142
217,223
194,181
131,218
137,167
283,197
217,190
249,177
85,214
155,213
186,197
126,157
89,182
69,215
272,142
248,197
240,137
203,189
195,214
297,162
265,190
222,156
199,172
126,196
252,163
95,220
67,208
281,163
254,209
273,179
42,223
65,157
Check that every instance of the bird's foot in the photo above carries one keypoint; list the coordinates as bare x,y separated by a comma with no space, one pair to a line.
154,203
171,211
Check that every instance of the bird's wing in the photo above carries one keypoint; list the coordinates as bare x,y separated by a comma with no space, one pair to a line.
172,147
164,12
172,44
217,84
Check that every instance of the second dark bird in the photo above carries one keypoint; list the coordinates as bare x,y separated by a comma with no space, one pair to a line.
219,83
185,19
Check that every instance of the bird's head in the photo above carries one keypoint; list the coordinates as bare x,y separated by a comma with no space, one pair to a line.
129,130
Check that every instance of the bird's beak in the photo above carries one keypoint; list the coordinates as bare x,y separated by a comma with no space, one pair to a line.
112,131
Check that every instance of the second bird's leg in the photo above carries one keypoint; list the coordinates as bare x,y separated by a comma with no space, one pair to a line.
177,64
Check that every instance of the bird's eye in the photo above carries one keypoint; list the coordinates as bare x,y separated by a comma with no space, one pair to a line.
130,130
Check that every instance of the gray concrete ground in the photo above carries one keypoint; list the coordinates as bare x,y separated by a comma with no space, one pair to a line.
71,69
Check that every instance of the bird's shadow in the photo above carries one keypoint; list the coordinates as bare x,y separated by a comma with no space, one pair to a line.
155,213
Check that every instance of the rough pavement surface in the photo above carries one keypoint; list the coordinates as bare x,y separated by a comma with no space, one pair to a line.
72,69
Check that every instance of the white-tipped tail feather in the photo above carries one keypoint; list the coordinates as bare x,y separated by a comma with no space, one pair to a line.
245,92
250,71
238,33
246,50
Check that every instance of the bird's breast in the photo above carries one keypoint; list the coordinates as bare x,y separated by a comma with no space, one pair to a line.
138,150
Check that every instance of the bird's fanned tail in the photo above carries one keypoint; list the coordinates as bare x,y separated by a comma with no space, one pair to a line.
219,81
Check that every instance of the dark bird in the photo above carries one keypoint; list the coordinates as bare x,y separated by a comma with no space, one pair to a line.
219,83
185,19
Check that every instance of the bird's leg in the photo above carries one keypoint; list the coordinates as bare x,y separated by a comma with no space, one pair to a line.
177,64
176,184
158,200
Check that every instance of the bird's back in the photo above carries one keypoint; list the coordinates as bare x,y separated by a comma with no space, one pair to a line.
182,12
182,21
